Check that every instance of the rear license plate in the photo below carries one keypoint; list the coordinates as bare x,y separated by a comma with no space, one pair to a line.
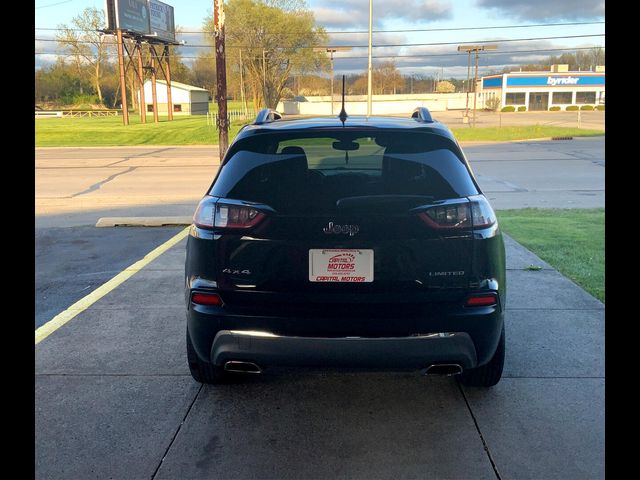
340,265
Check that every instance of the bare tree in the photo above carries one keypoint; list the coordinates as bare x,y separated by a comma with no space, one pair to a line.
386,78
86,44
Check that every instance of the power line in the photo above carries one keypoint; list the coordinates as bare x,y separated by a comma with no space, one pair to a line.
376,45
450,29
426,55
52,5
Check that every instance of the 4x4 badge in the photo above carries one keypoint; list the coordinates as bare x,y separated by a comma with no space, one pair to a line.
350,230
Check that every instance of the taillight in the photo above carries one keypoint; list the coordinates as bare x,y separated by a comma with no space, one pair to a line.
482,300
477,213
206,298
203,217
483,214
210,214
447,216
236,216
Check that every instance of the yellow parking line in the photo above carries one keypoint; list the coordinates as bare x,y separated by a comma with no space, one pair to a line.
81,305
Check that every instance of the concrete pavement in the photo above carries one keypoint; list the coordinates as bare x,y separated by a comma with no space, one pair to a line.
114,399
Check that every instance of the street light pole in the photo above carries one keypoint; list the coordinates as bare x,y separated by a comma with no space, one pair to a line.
369,68
331,52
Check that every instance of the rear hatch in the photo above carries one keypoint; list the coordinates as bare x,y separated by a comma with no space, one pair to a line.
345,216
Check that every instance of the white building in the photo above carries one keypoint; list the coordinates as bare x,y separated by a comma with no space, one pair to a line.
557,87
186,99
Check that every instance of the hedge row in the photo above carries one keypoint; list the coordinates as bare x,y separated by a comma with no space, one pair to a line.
556,108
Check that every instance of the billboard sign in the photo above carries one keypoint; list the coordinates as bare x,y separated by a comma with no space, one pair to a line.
162,21
130,15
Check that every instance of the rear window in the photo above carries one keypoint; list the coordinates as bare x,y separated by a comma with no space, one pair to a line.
303,172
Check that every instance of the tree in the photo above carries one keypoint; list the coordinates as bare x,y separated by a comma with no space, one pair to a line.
86,45
276,36
445,87
203,72
58,83
597,56
386,78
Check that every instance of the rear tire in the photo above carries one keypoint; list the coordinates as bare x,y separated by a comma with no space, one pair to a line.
487,375
202,371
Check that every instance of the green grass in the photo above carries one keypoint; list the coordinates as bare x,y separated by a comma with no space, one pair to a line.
186,130
504,134
570,240
232,105
107,131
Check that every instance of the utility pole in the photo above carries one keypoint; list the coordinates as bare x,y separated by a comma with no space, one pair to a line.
167,77
476,49
242,95
369,70
143,103
154,95
221,77
466,110
475,91
123,85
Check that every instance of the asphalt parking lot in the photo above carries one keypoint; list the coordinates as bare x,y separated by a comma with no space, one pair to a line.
114,398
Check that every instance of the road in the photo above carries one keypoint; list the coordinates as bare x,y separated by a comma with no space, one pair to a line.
588,120
76,186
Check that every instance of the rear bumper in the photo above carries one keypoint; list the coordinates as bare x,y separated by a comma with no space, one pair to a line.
474,336
414,352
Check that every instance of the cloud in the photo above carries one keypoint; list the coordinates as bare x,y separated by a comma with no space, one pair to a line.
454,64
355,13
528,10
42,61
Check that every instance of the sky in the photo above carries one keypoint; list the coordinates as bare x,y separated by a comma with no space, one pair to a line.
399,19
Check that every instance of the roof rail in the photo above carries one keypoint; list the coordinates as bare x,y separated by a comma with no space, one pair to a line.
421,114
266,115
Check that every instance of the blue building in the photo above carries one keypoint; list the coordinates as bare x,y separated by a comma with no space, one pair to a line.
543,90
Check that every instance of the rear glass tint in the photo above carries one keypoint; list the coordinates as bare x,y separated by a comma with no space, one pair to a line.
299,172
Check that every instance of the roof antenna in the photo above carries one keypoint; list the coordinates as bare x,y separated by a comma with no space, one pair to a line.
343,113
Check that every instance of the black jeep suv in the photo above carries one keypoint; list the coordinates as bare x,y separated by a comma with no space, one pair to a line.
359,242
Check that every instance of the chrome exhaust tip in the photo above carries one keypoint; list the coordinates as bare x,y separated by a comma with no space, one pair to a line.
446,369
237,366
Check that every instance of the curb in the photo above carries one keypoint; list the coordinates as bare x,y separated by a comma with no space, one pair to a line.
142,221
